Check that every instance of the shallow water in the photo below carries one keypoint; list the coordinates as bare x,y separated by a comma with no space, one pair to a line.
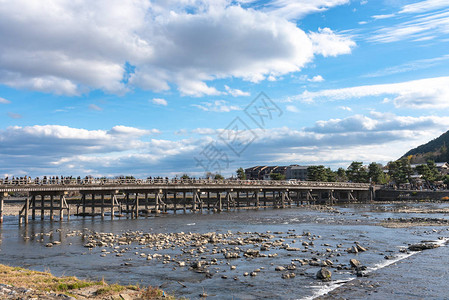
350,223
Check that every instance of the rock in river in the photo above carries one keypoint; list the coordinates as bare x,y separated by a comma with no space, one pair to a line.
422,246
324,274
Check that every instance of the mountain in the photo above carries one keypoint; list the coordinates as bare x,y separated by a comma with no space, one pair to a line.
435,150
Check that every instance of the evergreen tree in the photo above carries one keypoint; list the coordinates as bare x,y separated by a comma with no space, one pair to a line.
375,173
277,176
357,172
341,175
241,174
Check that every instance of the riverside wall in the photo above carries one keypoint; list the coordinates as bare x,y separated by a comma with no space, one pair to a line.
402,195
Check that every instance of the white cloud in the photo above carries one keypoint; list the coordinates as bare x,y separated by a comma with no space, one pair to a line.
317,78
53,149
159,101
131,131
327,43
422,27
70,48
380,17
423,93
236,92
95,107
217,106
292,108
4,101
424,6
378,122
295,9
345,108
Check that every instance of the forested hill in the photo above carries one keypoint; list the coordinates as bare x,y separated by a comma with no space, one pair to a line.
435,150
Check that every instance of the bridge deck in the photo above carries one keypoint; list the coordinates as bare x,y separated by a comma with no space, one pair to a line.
203,185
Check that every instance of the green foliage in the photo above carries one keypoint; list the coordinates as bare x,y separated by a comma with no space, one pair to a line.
241,174
431,146
218,177
185,176
341,175
429,172
277,176
435,150
375,173
316,173
356,172
446,179
400,170
321,173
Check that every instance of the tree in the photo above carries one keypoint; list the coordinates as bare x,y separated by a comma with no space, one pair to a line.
446,180
277,176
375,173
218,177
185,177
331,176
356,172
400,171
241,174
429,172
341,175
316,173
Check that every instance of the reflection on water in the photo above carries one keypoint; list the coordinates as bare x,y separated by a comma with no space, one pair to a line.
26,246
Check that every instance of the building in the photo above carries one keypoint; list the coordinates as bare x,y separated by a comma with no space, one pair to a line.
264,172
297,172
442,167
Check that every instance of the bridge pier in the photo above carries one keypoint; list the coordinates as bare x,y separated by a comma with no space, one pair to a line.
2,195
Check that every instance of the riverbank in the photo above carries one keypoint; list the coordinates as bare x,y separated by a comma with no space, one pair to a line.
20,283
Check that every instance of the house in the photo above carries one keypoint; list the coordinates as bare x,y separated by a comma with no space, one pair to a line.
264,172
296,172
442,167
253,173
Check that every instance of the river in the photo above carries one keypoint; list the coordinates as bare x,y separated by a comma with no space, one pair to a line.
391,272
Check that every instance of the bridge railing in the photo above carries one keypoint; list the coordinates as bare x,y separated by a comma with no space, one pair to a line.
171,182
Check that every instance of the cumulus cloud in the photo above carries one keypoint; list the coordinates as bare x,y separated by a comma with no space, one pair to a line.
317,78
327,43
217,106
377,122
159,101
4,101
417,94
236,92
70,48
52,149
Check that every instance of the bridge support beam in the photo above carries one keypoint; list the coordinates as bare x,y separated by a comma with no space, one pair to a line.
2,195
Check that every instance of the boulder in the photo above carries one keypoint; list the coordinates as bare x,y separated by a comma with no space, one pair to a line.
423,246
354,262
324,274
279,268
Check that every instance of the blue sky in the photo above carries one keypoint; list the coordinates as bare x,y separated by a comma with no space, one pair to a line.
170,87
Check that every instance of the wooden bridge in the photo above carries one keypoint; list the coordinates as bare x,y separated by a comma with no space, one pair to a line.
116,197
